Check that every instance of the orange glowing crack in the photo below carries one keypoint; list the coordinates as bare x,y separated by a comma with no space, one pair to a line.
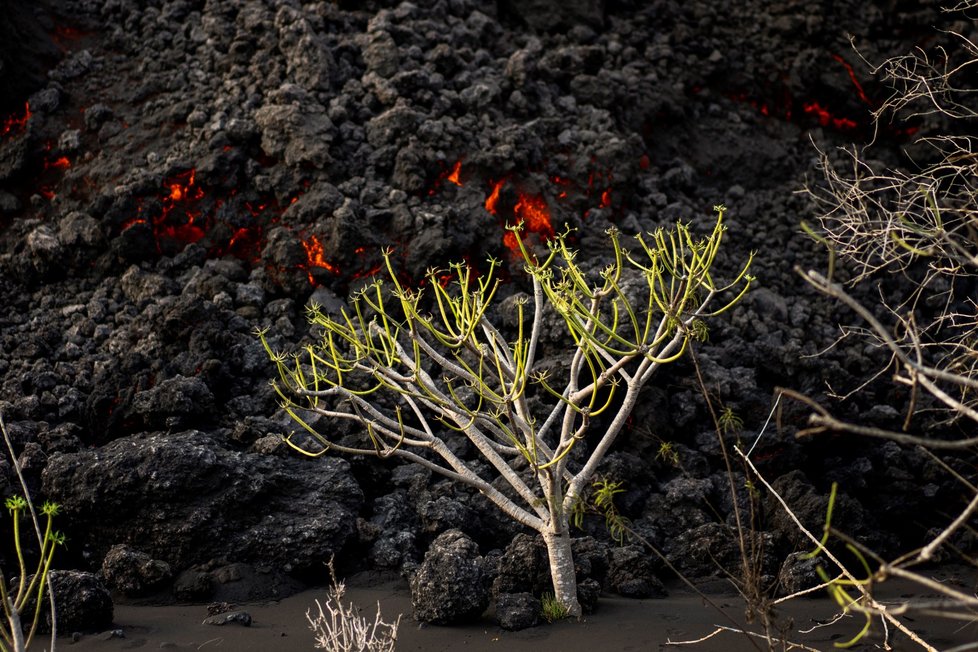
315,256
493,199
61,163
184,187
455,175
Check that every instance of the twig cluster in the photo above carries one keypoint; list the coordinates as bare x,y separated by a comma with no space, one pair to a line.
339,627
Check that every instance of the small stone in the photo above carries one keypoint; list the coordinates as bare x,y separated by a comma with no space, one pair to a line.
107,635
242,618
69,141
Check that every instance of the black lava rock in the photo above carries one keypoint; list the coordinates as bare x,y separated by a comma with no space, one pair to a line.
448,586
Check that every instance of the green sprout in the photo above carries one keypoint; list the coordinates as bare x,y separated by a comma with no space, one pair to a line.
667,453
729,421
552,608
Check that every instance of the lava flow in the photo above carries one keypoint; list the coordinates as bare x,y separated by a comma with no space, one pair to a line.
821,111
531,209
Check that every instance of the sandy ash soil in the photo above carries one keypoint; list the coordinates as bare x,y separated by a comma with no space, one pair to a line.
620,624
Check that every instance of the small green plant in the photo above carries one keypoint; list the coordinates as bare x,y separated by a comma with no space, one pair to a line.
667,453
552,608
27,593
729,421
602,502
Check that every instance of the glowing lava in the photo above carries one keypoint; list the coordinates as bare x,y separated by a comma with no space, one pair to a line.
533,212
14,123
455,175
822,113
492,201
61,163
315,258
826,119
530,210
855,81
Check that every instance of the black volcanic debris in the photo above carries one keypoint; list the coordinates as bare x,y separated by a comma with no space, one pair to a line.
183,173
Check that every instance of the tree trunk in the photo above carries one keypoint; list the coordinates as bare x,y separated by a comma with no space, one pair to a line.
562,569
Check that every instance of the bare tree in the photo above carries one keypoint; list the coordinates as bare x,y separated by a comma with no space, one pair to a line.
415,377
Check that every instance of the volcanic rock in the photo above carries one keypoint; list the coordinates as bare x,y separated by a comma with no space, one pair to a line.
133,573
82,602
516,611
632,574
192,171
448,586
208,502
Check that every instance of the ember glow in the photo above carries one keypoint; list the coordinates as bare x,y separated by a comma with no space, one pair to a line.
855,81
180,219
15,124
822,112
64,36
184,213
533,212
826,119
61,163
315,257
184,187
530,210
492,200
455,175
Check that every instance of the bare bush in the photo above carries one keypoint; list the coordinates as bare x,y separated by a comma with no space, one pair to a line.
920,222
339,627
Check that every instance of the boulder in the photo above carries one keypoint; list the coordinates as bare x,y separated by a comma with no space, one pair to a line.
516,611
448,586
185,499
132,572
83,603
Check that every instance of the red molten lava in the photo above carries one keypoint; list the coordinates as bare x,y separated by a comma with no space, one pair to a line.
855,81
821,111
14,123
246,243
492,201
533,212
183,187
455,175
825,118
315,258
530,210
184,196
61,163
